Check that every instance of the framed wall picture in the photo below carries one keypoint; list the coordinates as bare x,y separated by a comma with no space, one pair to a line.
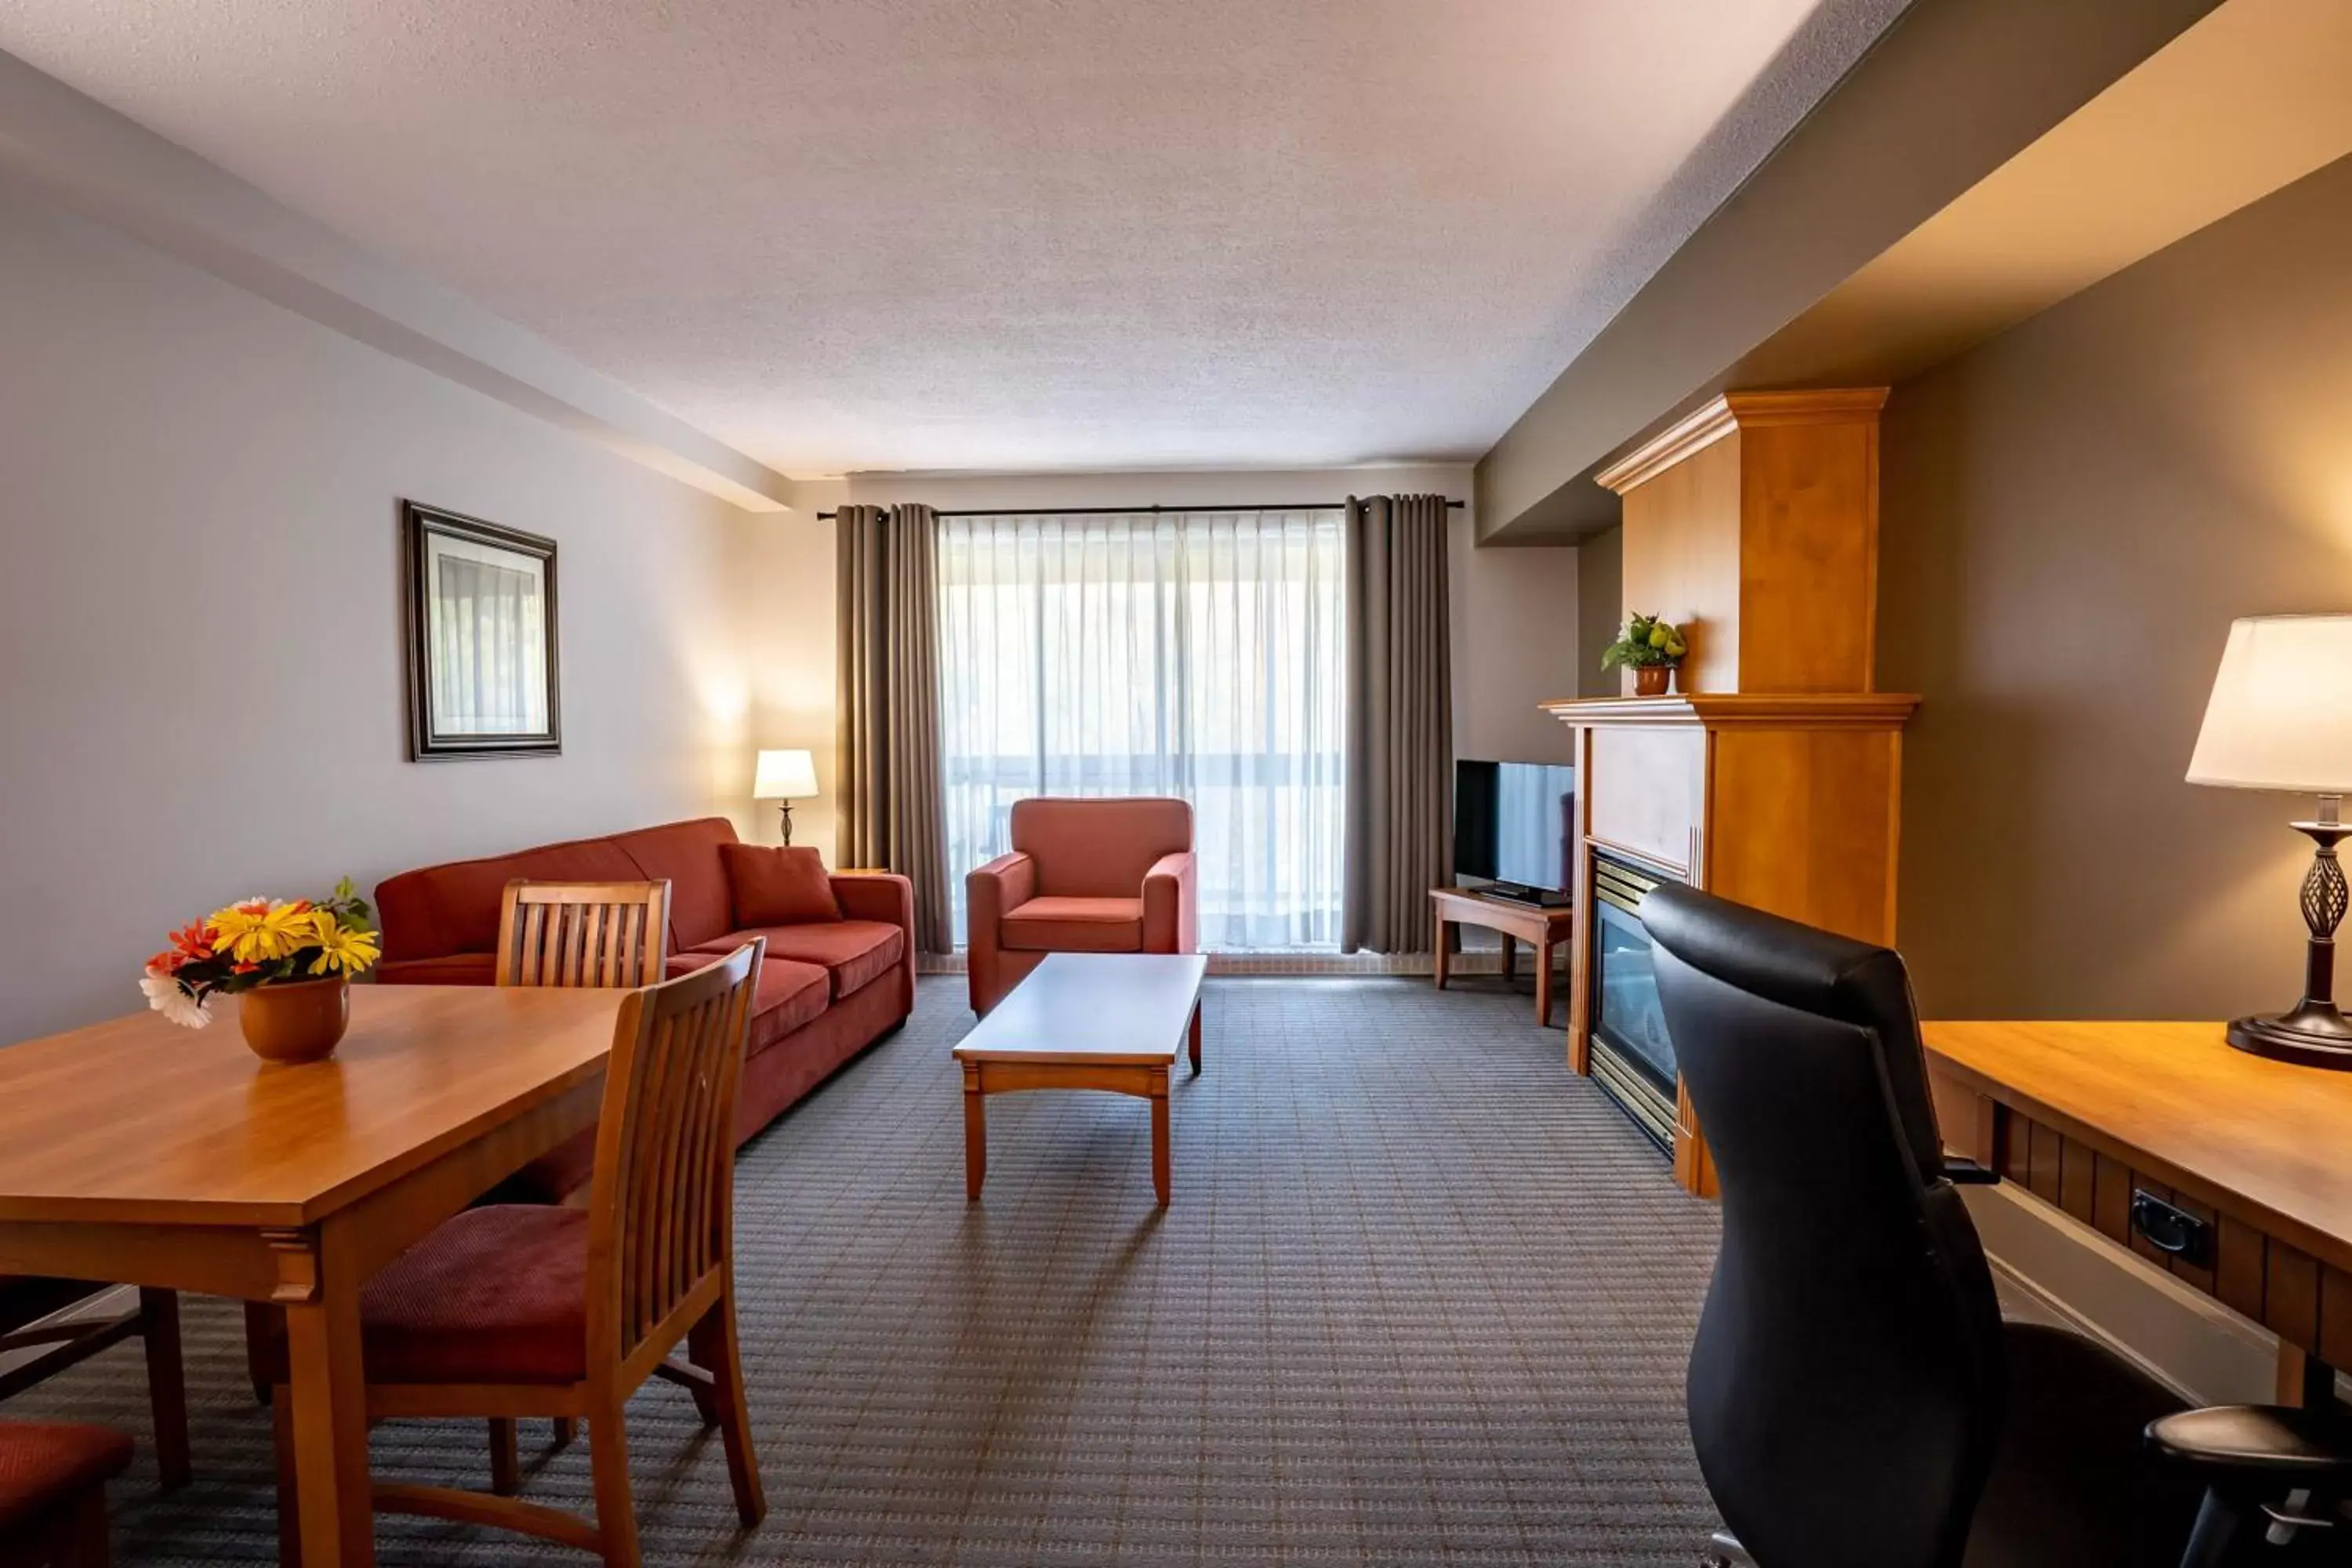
481,638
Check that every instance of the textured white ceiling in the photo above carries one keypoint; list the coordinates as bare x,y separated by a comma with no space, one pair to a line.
849,234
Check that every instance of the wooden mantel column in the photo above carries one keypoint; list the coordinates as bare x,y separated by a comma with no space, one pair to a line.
1774,776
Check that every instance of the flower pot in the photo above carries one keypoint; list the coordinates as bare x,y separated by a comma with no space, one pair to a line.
1682,678
1649,680
298,1022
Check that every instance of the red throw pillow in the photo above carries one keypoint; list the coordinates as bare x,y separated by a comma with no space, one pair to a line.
778,887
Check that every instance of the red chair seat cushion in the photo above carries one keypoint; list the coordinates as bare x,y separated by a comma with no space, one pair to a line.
1074,925
43,1465
498,1294
853,952
787,996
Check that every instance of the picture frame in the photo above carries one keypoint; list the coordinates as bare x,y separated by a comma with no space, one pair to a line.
481,638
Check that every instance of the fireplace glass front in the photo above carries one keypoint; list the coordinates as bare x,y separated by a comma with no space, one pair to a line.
1633,1056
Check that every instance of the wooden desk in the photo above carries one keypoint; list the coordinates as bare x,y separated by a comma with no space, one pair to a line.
1544,927
2082,1115
139,1152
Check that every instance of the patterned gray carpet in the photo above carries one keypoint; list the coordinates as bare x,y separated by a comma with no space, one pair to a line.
1423,1296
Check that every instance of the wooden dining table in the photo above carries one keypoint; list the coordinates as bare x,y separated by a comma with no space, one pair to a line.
138,1152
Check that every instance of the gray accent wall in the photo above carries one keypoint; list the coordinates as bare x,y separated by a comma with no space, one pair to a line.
200,664
2072,515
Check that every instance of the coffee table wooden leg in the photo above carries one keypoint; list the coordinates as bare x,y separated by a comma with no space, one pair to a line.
1159,1174
975,1134
1442,959
1543,983
1195,1039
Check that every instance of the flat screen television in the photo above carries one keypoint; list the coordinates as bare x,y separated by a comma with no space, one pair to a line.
1513,824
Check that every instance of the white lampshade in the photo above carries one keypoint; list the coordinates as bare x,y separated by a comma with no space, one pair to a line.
785,775
2280,714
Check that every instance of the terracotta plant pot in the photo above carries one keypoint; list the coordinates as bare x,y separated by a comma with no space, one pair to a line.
1682,678
299,1022
1649,680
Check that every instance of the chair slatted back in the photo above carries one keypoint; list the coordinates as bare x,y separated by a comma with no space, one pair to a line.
584,934
663,1204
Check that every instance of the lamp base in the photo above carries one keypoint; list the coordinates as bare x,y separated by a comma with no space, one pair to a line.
2314,1034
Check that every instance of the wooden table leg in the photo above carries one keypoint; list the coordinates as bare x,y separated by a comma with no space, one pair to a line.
1510,958
1195,1039
975,1134
1160,1173
1543,983
1441,964
329,1397
167,1385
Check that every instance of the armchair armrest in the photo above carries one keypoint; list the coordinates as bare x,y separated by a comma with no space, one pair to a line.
1005,883
1171,912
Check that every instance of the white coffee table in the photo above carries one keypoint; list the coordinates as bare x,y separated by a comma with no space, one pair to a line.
1111,1021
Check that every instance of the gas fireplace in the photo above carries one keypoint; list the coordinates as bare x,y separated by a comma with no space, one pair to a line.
1633,1057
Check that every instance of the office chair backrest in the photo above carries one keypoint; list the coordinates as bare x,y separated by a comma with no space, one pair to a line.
1845,1390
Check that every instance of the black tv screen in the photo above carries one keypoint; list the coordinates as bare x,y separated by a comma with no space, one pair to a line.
1513,824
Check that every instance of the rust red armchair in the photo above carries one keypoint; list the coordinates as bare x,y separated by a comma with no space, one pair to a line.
1085,876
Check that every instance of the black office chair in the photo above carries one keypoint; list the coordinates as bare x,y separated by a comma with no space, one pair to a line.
1855,1399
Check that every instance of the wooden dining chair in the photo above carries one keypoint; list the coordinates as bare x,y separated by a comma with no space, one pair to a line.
54,1321
579,934
584,934
522,1311
53,1493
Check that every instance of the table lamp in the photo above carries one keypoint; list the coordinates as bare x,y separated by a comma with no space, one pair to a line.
785,777
2281,718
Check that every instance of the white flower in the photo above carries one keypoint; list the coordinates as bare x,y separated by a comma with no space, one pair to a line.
169,997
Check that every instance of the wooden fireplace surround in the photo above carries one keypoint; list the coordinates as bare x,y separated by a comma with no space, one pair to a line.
1775,777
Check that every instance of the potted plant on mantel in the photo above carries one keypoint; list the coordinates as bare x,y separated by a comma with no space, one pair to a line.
291,962
1650,647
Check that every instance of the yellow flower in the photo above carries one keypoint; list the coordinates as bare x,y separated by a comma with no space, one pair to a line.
341,947
259,932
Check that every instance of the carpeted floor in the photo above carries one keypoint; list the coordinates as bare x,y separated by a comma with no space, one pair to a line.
1423,1296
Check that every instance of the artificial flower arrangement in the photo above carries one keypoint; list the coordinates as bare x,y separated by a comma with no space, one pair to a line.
1647,641
259,942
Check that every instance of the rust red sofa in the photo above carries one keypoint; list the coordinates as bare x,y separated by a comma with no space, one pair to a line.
1086,875
829,987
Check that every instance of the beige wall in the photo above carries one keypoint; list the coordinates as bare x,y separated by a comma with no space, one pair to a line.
2072,515
200,674
1600,610
1512,610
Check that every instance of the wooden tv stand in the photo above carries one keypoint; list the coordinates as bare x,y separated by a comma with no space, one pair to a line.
1543,928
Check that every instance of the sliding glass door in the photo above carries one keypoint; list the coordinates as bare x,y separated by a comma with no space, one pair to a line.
1197,655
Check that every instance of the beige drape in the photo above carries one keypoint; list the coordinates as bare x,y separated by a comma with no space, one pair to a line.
1400,722
890,705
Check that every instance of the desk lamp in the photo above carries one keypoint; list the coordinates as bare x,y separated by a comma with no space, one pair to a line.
784,777
2281,718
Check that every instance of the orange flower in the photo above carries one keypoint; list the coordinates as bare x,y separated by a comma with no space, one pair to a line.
164,963
192,942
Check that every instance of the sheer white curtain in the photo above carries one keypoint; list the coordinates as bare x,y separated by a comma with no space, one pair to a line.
1198,655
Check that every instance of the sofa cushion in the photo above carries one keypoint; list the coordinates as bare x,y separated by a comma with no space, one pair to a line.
778,887
688,854
1074,925
453,908
457,969
788,995
854,952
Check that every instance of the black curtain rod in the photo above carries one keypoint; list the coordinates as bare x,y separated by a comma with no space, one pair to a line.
1126,511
